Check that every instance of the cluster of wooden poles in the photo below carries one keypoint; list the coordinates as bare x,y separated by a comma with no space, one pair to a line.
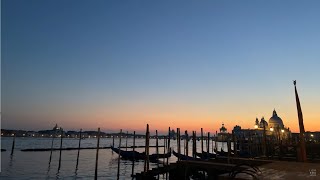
194,144
147,146
166,148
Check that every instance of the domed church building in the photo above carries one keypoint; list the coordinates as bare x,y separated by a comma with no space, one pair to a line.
275,121
274,127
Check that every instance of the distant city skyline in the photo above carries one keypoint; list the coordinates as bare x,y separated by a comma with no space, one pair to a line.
120,65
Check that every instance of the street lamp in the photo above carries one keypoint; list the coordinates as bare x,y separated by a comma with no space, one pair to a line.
282,130
271,129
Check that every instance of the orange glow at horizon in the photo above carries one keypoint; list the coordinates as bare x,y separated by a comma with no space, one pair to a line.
191,121
191,116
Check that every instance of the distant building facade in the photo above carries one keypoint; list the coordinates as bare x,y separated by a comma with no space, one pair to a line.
223,134
274,128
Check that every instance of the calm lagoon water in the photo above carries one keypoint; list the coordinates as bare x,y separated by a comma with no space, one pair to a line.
35,165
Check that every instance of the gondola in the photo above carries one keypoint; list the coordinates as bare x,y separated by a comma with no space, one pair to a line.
222,152
184,157
134,155
205,155
129,155
154,157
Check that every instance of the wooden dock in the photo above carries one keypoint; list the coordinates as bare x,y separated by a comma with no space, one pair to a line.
202,169
284,170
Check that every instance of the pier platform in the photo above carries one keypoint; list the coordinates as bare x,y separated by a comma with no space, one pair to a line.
284,170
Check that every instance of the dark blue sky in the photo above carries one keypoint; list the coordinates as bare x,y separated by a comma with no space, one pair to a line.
67,61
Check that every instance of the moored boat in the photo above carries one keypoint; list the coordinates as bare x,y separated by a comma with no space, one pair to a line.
206,155
183,157
134,155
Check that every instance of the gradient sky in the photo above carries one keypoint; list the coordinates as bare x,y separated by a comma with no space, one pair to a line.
188,64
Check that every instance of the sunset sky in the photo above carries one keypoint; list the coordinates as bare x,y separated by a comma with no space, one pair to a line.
189,64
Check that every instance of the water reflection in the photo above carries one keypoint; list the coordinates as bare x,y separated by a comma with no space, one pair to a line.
38,165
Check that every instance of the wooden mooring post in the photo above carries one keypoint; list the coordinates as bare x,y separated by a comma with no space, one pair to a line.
194,144
134,144
187,142
212,144
61,137
164,149
169,148
112,142
146,162
51,147
13,144
178,142
157,150
208,143
97,156
119,148
184,145
202,142
79,148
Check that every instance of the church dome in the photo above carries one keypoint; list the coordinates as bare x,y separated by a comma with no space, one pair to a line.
275,120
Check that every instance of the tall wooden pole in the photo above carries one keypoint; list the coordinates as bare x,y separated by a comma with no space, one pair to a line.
195,143
208,143
212,144
157,151
146,160
164,149
169,137
169,148
134,144
61,136
97,156
119,149
303,154
201,141
51,147
187,143
13,143
184,146
79,148
193,147
157,147
178,142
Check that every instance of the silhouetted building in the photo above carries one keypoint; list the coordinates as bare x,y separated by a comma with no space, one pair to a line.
274,128
223,134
